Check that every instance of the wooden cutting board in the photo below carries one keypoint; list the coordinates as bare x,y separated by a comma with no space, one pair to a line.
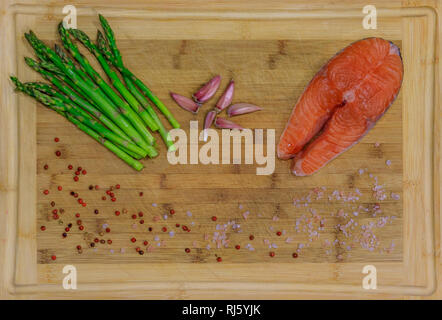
271,55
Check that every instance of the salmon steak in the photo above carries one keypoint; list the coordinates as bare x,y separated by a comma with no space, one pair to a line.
342,102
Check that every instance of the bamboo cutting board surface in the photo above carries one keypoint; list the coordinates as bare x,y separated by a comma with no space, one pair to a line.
224,191
271,61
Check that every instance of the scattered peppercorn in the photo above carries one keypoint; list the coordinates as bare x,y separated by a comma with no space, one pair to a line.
42,228
46,192
46,167
133,240
172,212
214,218
187,250
279,233
57,153
219,259
237,247
75,178
96,211
271,254
251,237
294,255
56,139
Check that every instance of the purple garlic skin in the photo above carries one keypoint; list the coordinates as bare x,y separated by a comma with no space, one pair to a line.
185,103
226,124
208,90
226,99
242,108
208,121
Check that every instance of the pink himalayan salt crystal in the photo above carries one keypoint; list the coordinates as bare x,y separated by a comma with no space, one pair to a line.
377,144
388,162
395,196
340,212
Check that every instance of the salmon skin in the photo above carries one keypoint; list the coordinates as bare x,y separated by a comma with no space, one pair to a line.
341,104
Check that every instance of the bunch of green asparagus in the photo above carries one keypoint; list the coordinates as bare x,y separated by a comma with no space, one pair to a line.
118,115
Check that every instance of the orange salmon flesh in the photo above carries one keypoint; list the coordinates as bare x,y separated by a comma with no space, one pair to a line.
341,104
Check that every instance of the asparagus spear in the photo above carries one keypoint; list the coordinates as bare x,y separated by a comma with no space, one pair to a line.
58,106
78,100
93,92
135,119
116,82
118,63
87,120
75,97
103,47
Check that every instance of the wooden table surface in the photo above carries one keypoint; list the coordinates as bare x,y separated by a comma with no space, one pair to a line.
46,243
